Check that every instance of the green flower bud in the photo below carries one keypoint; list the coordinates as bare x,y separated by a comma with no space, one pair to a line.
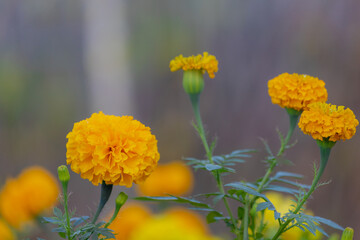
193,81
119,202
348,234
121,199
63,173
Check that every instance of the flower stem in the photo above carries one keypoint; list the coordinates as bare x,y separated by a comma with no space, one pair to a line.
324,153
66,209
105,194
293,118
199,125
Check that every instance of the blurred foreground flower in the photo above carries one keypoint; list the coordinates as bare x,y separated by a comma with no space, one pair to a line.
296,91
116,150
330,122
5,231
282,204
34,192
135,222
174,178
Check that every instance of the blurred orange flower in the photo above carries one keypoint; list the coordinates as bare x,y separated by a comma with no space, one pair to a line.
174,178
129,219
175,225
5,232
34,192
117,150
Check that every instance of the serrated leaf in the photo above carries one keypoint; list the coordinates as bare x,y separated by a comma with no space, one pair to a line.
243,187
58,213
287,174
212,167
281,189
329,223
218,198
58,230
193,202
79,220
263,206
213,216
52,220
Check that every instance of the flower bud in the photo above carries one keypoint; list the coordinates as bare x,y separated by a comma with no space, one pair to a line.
348,234
193,81
63,173
121,199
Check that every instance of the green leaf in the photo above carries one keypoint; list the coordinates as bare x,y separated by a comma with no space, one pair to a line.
193,202
243,187
212,167
329,223
58,213
263,206
240,212
213,216
287,174
281,189
218,198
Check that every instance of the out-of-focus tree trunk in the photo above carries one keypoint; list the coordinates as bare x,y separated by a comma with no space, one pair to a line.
105,53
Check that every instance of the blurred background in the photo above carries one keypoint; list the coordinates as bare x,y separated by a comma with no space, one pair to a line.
60,61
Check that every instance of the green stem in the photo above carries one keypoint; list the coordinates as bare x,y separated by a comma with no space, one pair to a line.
66,209
324,153
105,194
246,220
195,104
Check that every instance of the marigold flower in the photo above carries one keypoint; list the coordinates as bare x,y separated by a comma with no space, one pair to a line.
5,231
117,150
206,63
129,219
35,191
296,91
326,121
174,178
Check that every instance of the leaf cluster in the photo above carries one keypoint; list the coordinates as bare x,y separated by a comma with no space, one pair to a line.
80,227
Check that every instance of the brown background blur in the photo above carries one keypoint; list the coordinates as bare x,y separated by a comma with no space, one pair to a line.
62,60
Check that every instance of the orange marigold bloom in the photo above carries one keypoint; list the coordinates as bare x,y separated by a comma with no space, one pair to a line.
34,192
296,91
5,232
129,219
117,150
328,121
174,178
206,63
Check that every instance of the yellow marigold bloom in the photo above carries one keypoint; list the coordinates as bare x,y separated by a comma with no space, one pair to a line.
296,91
129,219
206,63
189,219
282,204
5,232
117,150
328,121
164,227
174,178
34,192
